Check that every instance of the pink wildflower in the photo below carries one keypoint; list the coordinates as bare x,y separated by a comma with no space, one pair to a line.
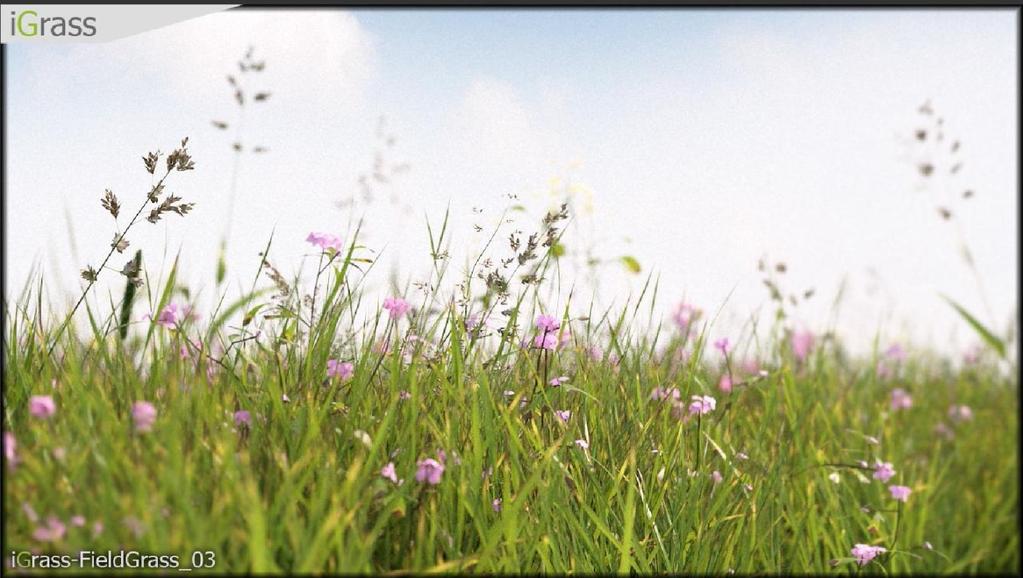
324,241
716,477
558,381
548,341
78,521
342,370
53,531
960,413
242,417
883,471
548,337
901,399
42,406
865,553
397,307
884,371
900,493
802,343
563,414
547,324
751,367
389,473
10,449
496,505
143,414
895,353
684,316
725,383
171,315
583,444
723,345
661,394
702,404
893,356
429,471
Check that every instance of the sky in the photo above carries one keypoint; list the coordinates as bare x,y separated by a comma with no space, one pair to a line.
697,141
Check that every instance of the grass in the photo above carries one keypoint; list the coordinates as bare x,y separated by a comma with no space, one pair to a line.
300,490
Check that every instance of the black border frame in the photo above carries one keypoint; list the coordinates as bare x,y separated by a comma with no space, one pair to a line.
746,5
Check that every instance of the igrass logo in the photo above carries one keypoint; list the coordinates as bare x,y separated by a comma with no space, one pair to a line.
29,24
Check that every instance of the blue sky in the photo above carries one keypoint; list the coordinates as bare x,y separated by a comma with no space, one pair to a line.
696,140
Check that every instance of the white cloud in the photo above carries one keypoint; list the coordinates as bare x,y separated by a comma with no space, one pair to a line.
323,56
502,139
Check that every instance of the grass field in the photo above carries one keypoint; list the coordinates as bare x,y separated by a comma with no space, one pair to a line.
274,455
308,427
